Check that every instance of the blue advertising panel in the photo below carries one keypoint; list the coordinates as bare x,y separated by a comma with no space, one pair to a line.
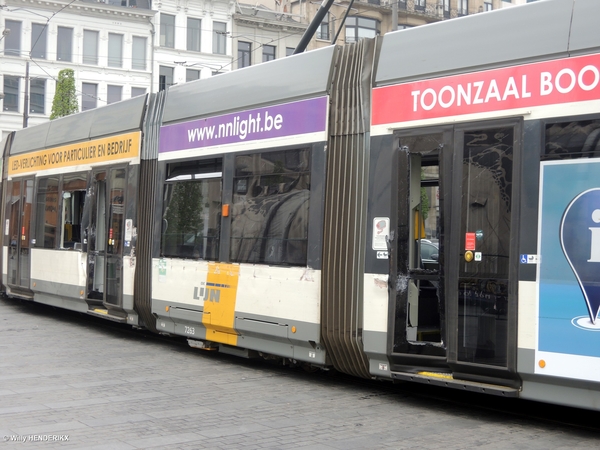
569,269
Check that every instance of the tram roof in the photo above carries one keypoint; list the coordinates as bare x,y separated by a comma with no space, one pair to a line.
287,79
537,31
108,120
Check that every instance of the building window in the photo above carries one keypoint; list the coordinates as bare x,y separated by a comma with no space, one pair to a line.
269,218
138,58
38,41
136,91
89,96
167,30
219,38
360,28
64,44
446,7
401,4
462,7
289,51
193,35
420,5
114,94
12,41
165,77
90,47
37,99
11,94
244,50
191,75
323,30
268,53
487,6
115,50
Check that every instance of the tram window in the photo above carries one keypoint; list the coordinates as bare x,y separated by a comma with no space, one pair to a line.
270,208
192,210
73,194
47,206
576,139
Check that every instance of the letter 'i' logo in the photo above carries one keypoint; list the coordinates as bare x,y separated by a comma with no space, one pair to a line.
580,241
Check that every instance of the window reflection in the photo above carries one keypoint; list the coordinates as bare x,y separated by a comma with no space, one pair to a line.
270,208
192,211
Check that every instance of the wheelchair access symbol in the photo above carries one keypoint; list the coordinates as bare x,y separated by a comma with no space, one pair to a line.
529,259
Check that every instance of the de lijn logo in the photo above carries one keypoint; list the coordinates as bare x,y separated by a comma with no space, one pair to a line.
580,241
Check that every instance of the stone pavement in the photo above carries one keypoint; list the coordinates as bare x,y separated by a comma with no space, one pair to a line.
68,381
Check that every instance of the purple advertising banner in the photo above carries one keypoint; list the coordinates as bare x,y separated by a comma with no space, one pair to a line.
289,119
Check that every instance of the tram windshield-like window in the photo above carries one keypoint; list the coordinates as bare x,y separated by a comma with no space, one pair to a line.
192,210
47,205
271,193
73,194
569,140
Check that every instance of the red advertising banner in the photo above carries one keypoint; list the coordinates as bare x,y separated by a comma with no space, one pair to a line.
554,82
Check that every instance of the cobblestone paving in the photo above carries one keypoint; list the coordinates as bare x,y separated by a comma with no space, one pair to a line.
68,382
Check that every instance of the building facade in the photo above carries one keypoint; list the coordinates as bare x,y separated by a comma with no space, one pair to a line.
119,49
261,34
369,18
193,40
108,45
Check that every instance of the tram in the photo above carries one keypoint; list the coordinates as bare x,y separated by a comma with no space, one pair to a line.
423,207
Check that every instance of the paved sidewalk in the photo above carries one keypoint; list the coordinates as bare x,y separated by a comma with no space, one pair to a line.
67,381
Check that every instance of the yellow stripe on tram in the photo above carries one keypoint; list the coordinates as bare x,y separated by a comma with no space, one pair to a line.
219,306
445,376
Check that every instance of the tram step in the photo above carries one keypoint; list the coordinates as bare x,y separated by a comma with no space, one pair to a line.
100,312
447,380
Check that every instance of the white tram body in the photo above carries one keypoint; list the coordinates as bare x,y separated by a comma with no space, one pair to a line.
424,206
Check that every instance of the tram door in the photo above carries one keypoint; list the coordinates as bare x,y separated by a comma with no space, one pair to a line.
19,216
482,277
419,328
105,237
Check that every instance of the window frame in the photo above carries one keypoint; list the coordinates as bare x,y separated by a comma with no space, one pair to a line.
89,100
138,44
204,174
271,55
7,104
219,43
323,32
37,96
194,35
192,75
13,38
64,50
167,30
39,38
244,54
115,50
165,79
139,92
43,208
355,24
90,38
282,184
110,96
